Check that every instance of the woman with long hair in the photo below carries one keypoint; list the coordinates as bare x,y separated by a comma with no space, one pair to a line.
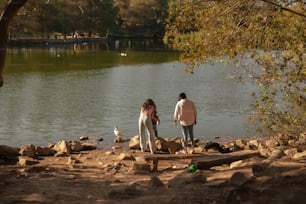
147,113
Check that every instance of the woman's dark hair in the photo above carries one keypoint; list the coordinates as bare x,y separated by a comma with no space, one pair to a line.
182,96
149,102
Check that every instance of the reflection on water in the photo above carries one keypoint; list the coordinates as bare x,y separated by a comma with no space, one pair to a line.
48,97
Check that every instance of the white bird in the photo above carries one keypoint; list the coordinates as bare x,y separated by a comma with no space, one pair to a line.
118,134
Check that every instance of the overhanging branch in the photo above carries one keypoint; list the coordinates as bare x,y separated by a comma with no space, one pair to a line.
284,8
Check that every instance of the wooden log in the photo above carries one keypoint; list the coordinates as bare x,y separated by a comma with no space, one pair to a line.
207,162
156,157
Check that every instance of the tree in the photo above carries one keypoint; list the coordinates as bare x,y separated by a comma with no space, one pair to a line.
5,18
266,39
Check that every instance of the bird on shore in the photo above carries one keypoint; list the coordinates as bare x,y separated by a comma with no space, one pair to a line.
119,137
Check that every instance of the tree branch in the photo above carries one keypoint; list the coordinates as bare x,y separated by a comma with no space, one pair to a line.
284,8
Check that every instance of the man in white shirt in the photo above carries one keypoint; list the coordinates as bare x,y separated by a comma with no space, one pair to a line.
186,113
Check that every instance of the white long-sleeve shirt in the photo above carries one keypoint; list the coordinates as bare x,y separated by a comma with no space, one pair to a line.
185,112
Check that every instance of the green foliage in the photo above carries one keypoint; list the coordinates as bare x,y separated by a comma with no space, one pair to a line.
273,35
41,17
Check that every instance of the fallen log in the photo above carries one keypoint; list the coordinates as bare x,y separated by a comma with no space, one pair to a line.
206,162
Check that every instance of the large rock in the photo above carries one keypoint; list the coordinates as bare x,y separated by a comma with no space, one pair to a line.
89,146
186,178
239,178
27,150
134,142
174,146
44,151
161,144
76,146
7,151
62,148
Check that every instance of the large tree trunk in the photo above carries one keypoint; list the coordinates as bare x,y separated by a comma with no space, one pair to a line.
6,17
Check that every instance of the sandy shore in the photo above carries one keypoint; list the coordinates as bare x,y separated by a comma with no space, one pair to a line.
122,176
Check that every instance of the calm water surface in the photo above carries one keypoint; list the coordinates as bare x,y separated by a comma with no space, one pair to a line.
53,94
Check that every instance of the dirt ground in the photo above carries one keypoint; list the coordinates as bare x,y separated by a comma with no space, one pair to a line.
101,176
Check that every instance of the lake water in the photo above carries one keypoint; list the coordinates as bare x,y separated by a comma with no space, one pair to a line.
52,94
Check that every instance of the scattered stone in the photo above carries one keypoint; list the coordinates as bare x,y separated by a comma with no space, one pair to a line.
84,138
126,156
62,148
155,182
44,151
300,155
197,177
291,152
109,153
27,150
216,146
141,166
186,178
174,146
89,146
72,160
239,178
76,146
25,160
116,147
134,142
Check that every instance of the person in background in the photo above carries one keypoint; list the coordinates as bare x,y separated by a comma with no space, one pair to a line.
155,119
185,112
145,123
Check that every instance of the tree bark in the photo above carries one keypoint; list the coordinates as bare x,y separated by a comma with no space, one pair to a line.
5,18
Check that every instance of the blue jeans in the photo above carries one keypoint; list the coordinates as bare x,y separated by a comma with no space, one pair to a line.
187,130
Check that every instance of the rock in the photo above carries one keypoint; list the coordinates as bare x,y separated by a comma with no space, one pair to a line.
186,178
62,148
116,147
291,152
255,143
174,147
239,178
109,153
44,151
134,142
272,143
83,138
155,182
24,160
161,144
27,150
119,139
72,160
76,146
198,149
141,166
263,150
300,155
197,177
243,144
7,151
126,156
89,146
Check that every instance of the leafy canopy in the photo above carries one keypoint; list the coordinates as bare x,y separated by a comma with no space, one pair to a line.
271,35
